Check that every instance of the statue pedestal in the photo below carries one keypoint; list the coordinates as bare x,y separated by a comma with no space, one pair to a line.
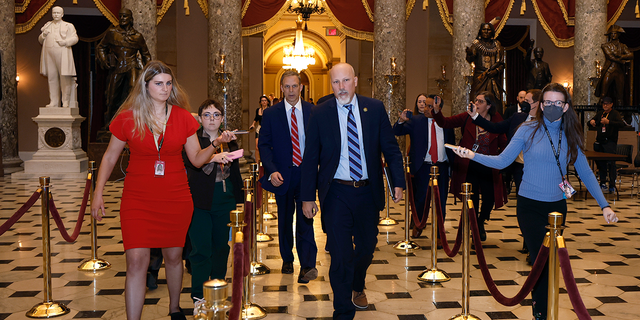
59,154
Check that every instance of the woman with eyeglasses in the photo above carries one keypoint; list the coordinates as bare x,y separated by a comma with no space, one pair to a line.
549,144
156,205
484,181
215,190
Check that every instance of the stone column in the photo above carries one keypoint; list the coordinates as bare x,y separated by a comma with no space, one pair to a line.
389,41
9,102
225,37
467,17
145,15
591,25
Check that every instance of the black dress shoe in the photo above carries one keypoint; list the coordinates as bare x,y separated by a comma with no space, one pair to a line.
178,315
307,274
287,267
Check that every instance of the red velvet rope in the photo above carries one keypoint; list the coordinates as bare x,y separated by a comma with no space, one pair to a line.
443,236
18,214
414,213
533,277
570,283
258,186
238,281
248,236
58,220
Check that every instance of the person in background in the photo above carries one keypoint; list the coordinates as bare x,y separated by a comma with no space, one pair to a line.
427,150
515,108
216,188
607,123
549,144
156,208
282,145
257,120
485,181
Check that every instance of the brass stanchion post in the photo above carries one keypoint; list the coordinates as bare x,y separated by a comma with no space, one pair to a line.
434,274
261,236
94,264
466,255
387,221
257,268
216,305
406,244
48,308
237,220
555,230
268,213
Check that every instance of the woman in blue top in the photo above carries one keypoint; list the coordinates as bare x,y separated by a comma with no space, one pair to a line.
549,143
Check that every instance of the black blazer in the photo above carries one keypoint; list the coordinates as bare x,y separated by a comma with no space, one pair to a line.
323,146
203,186
418,129
275,145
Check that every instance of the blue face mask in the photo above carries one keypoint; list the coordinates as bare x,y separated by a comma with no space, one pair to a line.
553,113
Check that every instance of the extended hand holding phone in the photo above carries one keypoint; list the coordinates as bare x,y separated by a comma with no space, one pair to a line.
471,106
409,114
240,132
450,146
236,154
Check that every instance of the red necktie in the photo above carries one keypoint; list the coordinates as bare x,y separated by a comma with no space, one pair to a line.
433,150
295,142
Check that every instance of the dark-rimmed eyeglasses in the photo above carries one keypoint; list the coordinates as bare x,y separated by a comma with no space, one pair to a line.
209,116
557,103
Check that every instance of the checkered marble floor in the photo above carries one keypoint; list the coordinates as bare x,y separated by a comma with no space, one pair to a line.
605,260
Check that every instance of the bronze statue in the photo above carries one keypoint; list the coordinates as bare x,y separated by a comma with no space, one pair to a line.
539,73
617,55
118,52
487,55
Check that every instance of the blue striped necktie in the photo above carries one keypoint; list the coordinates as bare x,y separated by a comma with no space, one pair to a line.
355,162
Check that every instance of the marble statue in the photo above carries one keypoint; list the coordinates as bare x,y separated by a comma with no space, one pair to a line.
539,73
123,51
617,54
56,59
487,56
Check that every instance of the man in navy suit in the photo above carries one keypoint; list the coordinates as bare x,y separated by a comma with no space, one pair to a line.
282,144
346,138
424,153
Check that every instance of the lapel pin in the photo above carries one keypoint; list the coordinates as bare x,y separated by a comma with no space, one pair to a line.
365,109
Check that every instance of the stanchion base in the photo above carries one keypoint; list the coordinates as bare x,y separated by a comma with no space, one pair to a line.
434,275
47,310
387,222
406,245
94,265
263,237
463,317
269,216
258,268
253,311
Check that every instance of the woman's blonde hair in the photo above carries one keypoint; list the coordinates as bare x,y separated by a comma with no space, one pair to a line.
140,103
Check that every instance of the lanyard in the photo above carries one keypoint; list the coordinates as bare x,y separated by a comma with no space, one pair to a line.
164,128
556,154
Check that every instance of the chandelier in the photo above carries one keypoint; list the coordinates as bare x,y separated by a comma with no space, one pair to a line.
306,8
297,56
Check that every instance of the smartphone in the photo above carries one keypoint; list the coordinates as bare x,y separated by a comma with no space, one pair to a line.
436,100
236,154
409,114
450,146
471,106
240,132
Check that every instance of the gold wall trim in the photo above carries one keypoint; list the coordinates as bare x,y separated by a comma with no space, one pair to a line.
20,8
616,15
444,15
244,8
410,5
204,6
367,9
251,30
353,33
505,17
570,21
166,4
113,19
560,43
24,27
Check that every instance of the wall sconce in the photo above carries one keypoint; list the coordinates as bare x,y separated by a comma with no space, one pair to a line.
17,78
567,85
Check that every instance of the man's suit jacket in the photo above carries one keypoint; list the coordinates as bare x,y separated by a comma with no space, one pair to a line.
323,147
509,126
418,129
276,149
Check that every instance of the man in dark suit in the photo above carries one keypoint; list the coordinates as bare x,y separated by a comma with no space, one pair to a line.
426,151
346,138
515,108
282,144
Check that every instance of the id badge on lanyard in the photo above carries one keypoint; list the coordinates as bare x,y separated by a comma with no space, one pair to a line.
159,166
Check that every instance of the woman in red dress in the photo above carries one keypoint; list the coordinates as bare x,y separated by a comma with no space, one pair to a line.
156,205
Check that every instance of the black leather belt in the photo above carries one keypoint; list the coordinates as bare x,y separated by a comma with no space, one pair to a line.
355,184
